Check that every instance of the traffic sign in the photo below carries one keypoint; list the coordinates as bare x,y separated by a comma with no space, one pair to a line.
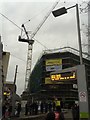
82,96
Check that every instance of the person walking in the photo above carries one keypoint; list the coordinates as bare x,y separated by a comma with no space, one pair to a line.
26,109
46,107
75,112
42,107
50,116
59,114
55,115
54,106
18,109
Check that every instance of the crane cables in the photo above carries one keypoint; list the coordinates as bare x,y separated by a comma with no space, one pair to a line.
10,21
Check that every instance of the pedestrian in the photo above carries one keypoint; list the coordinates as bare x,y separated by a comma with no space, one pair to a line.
3,110
54,106
46,107
26,109
7,111
50,116
18,109
42,107
75,112
50,106
55,115
10,110
33,108
36,108
59,114
30,109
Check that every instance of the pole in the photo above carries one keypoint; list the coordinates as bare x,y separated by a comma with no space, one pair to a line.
82,88
79,36
83,93
15,75
1,85
13,92
89,30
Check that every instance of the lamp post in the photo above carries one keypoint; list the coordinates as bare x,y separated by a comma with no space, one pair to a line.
62,11
1,84
83,103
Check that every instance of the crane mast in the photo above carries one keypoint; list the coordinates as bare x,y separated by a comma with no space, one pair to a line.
29,62
30,44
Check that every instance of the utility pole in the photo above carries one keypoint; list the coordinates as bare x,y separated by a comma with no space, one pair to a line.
1,85
13,92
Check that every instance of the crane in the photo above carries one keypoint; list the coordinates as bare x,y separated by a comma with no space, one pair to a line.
30,42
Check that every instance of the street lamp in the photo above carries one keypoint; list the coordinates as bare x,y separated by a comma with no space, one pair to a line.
1,84
62,11
83,103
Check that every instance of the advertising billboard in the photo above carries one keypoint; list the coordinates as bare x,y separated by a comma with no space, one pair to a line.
50,62
53,64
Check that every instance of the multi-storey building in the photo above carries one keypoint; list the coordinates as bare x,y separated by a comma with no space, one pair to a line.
64,86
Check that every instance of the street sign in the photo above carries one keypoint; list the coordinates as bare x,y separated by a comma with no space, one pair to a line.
82,96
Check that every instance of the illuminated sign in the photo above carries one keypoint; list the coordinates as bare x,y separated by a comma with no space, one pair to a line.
49,81
63,76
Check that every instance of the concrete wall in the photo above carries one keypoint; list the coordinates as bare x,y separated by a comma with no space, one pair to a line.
5,61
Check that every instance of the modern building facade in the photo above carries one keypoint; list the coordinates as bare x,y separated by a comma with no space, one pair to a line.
44,84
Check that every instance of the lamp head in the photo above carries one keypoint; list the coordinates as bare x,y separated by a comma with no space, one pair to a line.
59,12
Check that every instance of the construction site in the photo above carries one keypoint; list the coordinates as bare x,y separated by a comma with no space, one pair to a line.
60,75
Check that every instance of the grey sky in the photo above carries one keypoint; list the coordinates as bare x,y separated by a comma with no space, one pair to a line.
55,32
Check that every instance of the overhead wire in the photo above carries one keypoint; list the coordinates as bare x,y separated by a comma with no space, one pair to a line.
11,21
35,15
17,57
19,27
24,60
41,44
22,29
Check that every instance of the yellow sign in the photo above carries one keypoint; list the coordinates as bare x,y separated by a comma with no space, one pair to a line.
54,62
63,76
48,80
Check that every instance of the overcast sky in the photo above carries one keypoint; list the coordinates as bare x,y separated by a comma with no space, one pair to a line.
55,32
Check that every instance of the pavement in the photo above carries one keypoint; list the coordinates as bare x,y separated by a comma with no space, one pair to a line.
67,115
